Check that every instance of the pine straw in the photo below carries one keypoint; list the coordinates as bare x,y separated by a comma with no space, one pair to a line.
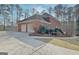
65,44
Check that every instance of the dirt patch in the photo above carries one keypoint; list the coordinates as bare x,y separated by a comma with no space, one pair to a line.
65,44
44,40
72,41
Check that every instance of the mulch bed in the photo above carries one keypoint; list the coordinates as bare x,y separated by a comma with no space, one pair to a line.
47,35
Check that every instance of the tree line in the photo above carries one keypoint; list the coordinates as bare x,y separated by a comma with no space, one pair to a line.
63,12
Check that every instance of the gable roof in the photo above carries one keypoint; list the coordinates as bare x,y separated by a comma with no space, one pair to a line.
33,17
43,17
46,16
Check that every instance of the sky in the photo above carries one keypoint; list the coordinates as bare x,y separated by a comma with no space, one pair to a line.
26,6
40,7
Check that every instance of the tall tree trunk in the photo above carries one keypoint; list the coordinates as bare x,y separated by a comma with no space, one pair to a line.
4,23
17,15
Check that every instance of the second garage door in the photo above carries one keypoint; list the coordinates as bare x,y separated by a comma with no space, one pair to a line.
23,28
30,28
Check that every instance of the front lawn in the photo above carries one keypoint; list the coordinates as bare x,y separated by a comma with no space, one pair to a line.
66,43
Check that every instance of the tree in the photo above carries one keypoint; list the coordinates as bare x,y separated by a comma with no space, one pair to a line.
27,13
76,7
50,10
4,13
43,11
33,11
58,10
70,20
18,11
11,12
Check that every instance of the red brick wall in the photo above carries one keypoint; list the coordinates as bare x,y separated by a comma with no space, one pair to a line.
36,25
55,23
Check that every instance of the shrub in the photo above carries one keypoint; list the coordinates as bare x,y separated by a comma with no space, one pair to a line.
42,29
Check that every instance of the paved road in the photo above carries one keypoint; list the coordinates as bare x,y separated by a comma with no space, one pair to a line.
20,44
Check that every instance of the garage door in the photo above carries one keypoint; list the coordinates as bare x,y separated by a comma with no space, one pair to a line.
30,28
23,28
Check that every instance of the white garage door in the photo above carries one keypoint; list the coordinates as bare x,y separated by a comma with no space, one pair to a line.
23,28
30,28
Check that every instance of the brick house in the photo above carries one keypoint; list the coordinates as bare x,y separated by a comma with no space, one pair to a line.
32,23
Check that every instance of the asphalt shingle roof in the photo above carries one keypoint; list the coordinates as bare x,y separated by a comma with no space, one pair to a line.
41,17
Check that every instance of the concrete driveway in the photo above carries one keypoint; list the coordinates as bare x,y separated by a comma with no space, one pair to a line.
16,43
